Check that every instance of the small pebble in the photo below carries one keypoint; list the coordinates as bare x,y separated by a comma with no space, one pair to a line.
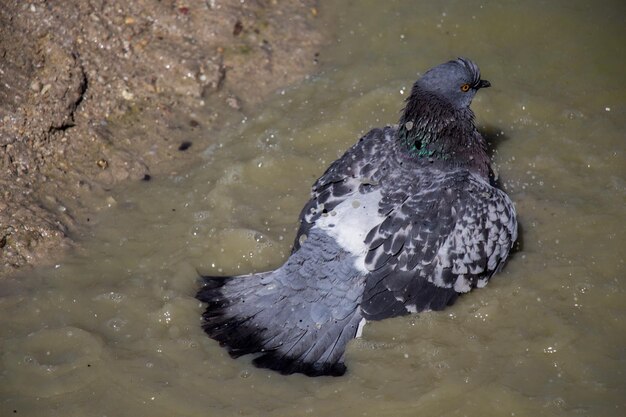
233,103
45,89
237,28
184,146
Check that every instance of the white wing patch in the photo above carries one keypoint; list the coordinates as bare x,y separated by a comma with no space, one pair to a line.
349,223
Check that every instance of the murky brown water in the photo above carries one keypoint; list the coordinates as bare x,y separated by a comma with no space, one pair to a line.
114,330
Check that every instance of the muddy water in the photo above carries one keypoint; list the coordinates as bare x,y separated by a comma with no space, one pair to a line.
114,329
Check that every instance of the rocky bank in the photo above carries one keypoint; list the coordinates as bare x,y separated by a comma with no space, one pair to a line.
95,93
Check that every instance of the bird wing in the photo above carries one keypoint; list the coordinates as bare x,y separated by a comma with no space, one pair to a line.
358,170
442,235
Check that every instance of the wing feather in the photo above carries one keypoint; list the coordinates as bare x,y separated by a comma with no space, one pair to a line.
359,170
443,235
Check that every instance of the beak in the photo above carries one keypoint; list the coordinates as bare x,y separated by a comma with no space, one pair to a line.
483,84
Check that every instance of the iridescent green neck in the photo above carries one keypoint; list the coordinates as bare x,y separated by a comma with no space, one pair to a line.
421,140
434,130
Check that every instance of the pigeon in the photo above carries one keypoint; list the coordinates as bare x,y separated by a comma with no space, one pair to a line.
408,219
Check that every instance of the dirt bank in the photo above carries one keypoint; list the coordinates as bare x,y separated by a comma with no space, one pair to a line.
93,93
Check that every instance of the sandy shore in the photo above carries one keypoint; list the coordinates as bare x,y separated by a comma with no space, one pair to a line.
95,93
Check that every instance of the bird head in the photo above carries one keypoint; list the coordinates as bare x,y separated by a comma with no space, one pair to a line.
457,81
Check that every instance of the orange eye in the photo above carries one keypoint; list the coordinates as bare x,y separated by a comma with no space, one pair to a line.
465,88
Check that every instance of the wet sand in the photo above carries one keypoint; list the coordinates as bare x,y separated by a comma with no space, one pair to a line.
98,93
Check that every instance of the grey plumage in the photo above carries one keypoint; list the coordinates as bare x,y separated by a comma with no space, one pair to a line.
405,221
299,317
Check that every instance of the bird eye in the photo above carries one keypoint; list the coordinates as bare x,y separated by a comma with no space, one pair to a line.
465,88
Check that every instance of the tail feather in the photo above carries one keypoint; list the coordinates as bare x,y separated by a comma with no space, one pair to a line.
253,315
298,318
230,331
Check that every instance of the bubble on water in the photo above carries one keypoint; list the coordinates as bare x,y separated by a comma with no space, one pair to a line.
116,323
200,216
558,402
196,231
408,125
166,317
549,350
111,296
583,287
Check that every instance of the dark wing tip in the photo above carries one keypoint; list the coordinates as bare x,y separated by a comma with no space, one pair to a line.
240,337
277,362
